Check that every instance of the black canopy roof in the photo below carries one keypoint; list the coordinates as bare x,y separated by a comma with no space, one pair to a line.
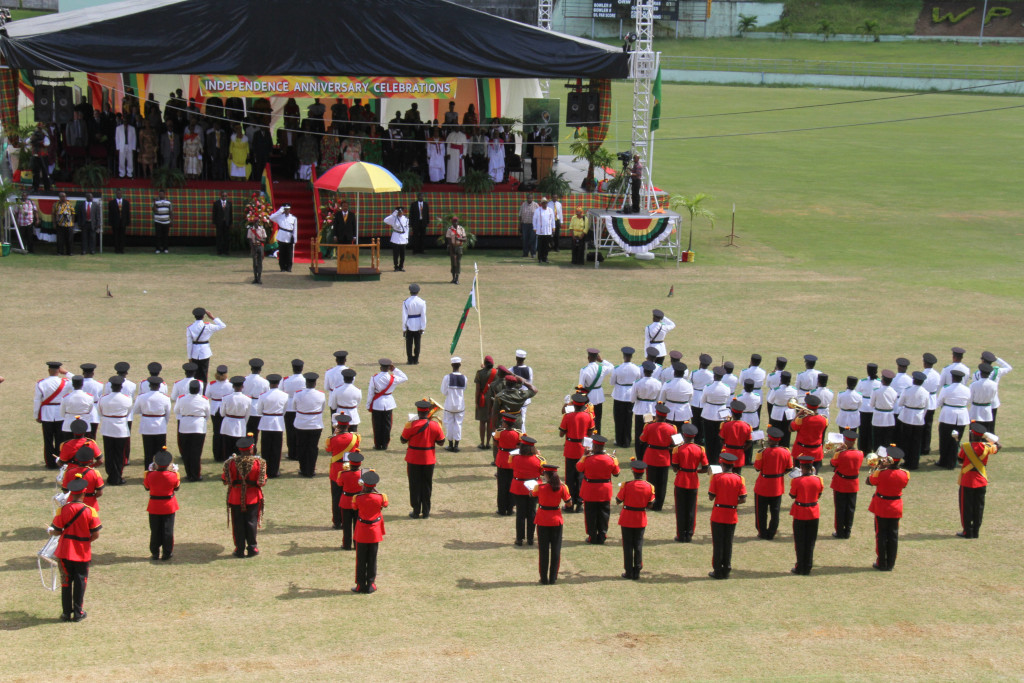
302,38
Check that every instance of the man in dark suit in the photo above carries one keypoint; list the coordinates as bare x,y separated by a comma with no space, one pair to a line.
119,213
170,146
260,146
533,138
419,219
222,221
344,225
87,217
217,142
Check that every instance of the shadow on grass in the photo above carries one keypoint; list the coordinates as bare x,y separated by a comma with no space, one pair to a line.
473,464
184,553
33,483
571,579
295,550
296,592
25,533
16,621
26,468
275,279
458,479
456,544
272,528
453,514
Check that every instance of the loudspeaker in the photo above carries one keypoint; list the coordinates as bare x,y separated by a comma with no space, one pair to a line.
64,104
574,111
592,115
43,110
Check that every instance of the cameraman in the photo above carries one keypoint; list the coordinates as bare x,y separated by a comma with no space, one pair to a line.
636,174
40,142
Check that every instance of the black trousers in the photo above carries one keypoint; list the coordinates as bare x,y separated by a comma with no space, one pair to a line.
421,485
782,424
598,412
412,345
712,440
887,539
573,479
229,445
549,540
217,443
865,439
119,234
64,240
686,513
307,442
638,428
632,550
285,256
622,411
252,426
419,234
270,449
161,231
543,247
948,446
926,437
256,251
190,446
883,436
526,510
348,523
721,553
634,189
658,478
911,438
398,256
74,576
972,509
805,535
161,534
595,518
767,515
505,503
556,236
579,251
698,422
243,526
89,240
381,420
202,370
223,239
115,452
366,566
40,174
995,414
845,505
151,445
51,442
289,434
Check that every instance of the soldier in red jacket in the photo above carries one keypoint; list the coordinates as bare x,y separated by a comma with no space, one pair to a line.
634,496
550,495
657,440
78,526
596,490
846,483
887,506
728,491
161,482
79,429
349,481
772,464
810,430
245,475
974,479
687,460
805,492
735,434
341,444
82,464
574,427
526,468
369,532
506,440
423,435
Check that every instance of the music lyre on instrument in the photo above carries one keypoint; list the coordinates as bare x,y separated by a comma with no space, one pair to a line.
47,555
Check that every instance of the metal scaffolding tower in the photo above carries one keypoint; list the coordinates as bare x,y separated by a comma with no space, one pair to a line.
544,8
643,69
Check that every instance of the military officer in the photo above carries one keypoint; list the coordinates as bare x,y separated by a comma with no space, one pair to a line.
414,323
1000,368
984,394
197,340
593,375
381,403
422,435
655,333
49,392
245,474
624,376
271,407
643,395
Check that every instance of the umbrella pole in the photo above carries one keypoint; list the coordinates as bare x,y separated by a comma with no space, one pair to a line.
358,194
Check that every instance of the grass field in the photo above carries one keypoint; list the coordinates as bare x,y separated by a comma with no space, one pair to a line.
857,244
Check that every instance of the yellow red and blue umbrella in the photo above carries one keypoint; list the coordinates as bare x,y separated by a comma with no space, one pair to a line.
358,176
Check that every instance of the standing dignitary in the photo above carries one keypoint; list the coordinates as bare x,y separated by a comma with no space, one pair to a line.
593,375
643,395
90,222
192,411
974,479
526,471
887,506
162,483
623,377
455,239
380,401
506,440
526,212
125,142
369,532
805,491
153,408
218,388
342,445
912,405
78,526
866,388
883,403
254,387
596,491
64,222
422,435
728,491
49,393
287,236
414,323
657,439
778,398
550,495
771,464
655,333
482,382
574,428
399,225
846,483
688,459
543,227
223,219
163,215
419,220
954,416
344,224
453,388
235,409
245,474
115,408
634,497
197,341
271,406
345,399
309,423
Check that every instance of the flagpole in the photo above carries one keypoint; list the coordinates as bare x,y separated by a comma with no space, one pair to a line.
479,319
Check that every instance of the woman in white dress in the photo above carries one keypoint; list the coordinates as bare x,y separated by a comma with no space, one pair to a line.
496,159
435,156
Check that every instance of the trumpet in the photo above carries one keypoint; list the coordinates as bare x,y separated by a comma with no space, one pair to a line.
802,411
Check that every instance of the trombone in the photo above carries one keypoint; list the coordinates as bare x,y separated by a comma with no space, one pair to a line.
802,410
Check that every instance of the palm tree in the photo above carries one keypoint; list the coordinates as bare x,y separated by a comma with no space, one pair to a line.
693,206
870,28
582,150
748,22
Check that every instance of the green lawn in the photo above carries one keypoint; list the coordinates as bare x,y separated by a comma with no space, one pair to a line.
848,16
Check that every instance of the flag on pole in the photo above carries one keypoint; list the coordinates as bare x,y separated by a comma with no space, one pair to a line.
470,304
656,107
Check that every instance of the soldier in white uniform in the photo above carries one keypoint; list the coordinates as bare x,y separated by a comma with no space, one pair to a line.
180,388
913,404
197,341
271,406
381,403
94,388
729,378
115,407
932,384
453,388
399,225
715,399
192,412
414,323
287,236
700,379
290,385
883,403
756,373
643,395
623,377
154,369
523,371
593,376
668,373
75,404
773,378
152,410
655,333
677,393
957,364
1000,368
900,382
808,379
218,388
849,403
752,407
866,388
332,378
825,394
254,387
49,392
234,408
309,423
953,417
984,391
345,400
652,356
779,415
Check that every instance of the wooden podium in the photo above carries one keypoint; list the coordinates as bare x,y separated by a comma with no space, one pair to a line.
545,156
346,261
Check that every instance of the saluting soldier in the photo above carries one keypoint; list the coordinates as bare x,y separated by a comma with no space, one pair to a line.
381,403
728,491
550,495
973,479
423,435
805,491
846,483
887,506
526,467
623,377
453,388
245,474
655,333
634,497
688,459
1000,368
597,469
49,392
162,484
340,446
369,532
574,427
78,526
506,440
197,340
984,394
771,464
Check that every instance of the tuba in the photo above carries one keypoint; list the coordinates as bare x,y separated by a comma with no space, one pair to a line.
434,409
878,460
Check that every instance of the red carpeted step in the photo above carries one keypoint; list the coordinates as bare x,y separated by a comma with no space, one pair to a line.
300,196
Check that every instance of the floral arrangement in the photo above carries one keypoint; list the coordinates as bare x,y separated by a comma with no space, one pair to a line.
257,211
